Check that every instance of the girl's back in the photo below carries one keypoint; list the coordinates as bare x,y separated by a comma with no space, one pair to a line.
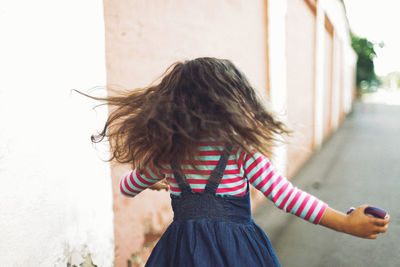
240,168
210,229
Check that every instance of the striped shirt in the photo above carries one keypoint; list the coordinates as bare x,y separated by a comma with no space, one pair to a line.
241,166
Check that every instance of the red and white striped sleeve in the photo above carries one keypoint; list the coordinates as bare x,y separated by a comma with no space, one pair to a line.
133,182
263,176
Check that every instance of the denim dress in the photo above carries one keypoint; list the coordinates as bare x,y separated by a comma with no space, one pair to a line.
210,230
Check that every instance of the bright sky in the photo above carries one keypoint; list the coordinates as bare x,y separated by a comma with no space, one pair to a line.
378,20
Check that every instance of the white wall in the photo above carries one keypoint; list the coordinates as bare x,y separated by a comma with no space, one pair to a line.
56,202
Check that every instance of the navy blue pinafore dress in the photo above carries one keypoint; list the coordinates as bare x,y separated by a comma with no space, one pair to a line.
210,230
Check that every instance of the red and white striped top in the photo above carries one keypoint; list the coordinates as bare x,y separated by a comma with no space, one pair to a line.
241,166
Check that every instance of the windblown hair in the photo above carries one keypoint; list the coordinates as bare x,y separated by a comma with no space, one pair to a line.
195,100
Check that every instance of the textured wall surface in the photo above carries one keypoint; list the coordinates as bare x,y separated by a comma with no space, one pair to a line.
334,69
300,40
142,39
327,89
320,78
56,198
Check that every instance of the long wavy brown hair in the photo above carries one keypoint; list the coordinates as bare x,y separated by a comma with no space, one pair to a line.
195,100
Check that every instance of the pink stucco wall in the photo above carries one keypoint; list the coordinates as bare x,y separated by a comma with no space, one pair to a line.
142,39
340,68
327,89
300,51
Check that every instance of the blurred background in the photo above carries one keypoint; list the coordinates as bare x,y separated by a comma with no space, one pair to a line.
329,68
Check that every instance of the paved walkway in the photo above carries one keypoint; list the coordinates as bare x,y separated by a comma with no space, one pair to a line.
359,164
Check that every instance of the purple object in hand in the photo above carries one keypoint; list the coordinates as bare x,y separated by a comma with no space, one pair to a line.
374,211
350,210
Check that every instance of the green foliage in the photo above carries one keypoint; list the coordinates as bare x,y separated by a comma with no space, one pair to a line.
391,80
366,77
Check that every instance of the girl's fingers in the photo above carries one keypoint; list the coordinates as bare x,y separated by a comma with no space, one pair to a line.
374,236
380,222
381,229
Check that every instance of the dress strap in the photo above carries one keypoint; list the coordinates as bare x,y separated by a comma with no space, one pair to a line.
218,172
182,181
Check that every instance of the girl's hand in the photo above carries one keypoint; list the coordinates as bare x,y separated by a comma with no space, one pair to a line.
161,185
366,226
356,223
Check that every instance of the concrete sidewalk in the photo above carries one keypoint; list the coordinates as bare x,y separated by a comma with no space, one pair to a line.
359,164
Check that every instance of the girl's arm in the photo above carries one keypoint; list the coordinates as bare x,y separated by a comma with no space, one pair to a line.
263,176
277,188
356,223
133,182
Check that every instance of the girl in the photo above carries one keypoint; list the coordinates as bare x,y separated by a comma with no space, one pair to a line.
205,132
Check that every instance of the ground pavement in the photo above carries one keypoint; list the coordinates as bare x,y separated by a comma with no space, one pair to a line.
359,163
